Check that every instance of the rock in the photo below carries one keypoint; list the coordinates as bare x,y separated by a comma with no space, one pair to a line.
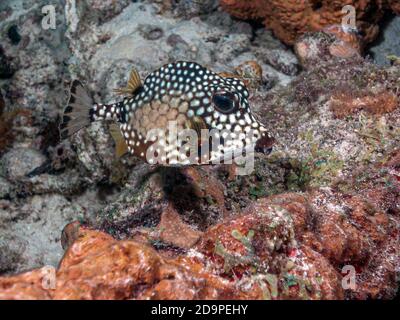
311,115
67,183
344,104
17,163
395,6
177,39
332,43
14,35
2,104
11,253
139,204
94,151
284,62
172,230
5,188
354,228
29,286
189,9
120,270
14,127
386,45
69,234
33,226
206,186
92,11
148,194
105,10
35,81
234,45
249,241
330,185
6,68
262,241
150,32
284,246
289,20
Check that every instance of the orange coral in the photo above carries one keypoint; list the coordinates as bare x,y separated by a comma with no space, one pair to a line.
283,246
95,266
345,103
172,230
291,18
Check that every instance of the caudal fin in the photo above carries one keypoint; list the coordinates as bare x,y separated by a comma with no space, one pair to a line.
77,114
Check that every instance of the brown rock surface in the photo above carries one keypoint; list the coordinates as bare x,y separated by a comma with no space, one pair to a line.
326,197
284,246
287,246
262,243
26,286
395,6
289,19
345,103
174,231
96,266
283,232
333,42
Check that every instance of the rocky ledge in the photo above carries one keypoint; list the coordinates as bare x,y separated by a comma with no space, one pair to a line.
291,245
317,219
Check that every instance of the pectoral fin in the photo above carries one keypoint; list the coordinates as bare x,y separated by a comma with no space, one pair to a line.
134,83
120,145
197,124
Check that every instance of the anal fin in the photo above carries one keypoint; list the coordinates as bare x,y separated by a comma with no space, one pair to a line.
120,145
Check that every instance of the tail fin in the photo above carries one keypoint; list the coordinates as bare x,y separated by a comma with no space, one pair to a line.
77,114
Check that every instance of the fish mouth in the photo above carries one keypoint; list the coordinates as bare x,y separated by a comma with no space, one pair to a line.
264,145
263,150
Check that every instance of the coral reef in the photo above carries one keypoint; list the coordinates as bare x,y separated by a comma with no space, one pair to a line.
98,44
284,246
326,198
290,19
96,266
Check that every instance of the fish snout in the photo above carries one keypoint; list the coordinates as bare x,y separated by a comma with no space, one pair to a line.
263,150
264,145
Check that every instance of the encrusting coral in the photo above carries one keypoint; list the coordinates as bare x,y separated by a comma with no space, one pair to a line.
326,199
290,19
284,246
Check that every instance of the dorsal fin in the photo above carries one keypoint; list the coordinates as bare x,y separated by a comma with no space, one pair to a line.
134,81
133,84
120,145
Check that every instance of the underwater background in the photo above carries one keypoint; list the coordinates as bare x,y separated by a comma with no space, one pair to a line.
324,203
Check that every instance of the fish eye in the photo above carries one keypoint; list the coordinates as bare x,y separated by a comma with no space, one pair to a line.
225,102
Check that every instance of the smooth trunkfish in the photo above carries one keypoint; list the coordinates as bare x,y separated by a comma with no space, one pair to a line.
185,94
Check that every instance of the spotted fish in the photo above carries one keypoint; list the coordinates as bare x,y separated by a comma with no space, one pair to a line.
186,93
